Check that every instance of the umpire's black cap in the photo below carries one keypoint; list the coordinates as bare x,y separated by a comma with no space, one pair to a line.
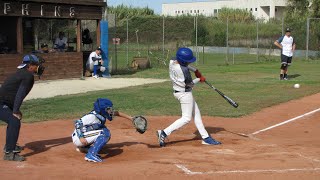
288,29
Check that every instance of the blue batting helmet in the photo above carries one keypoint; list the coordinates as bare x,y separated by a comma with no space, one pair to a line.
101,106
185,55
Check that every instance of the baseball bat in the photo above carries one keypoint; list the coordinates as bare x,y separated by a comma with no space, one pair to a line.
229,100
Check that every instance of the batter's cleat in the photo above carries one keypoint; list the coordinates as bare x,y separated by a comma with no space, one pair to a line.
17,149
161,137
12,156
93,158
210,141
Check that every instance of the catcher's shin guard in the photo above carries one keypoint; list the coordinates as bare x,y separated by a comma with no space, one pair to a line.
100,142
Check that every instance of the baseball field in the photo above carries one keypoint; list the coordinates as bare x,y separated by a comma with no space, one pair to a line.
281,123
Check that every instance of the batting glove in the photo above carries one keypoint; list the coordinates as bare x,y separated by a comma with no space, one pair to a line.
202,79
198,74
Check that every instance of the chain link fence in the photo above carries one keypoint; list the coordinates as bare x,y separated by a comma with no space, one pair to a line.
213,41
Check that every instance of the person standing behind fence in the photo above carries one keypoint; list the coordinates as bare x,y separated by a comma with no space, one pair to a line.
287,45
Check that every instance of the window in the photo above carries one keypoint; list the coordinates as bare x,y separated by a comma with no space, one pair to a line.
198,11
182,12
8,35
256,9
195,11
190,11
178,12
276,9
250,9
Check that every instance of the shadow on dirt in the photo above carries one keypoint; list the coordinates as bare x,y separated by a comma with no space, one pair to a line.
112,150
210,130
44,145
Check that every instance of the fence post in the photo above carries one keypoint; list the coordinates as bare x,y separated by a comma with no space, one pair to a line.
197,54
127,42
163,28
282,26
257,40
115,44
227,41
307,41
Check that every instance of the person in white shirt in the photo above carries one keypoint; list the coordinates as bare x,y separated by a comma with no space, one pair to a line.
95,62
61,42
287,45
182,90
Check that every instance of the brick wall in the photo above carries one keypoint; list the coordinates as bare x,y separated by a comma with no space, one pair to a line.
58,65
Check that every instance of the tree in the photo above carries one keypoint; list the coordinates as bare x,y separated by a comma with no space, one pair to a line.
235,15
315,8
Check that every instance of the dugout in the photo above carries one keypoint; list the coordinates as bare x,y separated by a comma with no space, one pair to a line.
26,24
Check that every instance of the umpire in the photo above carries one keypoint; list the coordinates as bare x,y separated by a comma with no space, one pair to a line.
12,92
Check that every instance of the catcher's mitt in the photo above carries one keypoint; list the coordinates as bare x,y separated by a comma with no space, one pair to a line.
140,123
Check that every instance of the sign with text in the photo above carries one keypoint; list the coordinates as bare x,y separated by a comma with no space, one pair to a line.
48,10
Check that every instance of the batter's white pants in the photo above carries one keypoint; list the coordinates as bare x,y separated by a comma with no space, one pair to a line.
189,109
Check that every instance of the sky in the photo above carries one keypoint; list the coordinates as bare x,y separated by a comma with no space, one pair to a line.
156,5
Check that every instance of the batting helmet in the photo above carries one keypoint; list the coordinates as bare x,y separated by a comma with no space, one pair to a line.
185,55
102,106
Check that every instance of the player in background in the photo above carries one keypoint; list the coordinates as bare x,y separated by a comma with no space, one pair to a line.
182,90
12,92
94,63
287,45
91,134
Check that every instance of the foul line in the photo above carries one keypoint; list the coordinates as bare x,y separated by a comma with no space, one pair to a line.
189,172
285,122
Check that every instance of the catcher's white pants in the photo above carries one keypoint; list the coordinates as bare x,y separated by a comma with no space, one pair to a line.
189,108
90,136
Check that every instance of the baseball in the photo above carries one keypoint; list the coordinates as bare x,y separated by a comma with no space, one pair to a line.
296,85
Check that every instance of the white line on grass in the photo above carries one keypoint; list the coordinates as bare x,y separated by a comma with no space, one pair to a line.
285,122
189,172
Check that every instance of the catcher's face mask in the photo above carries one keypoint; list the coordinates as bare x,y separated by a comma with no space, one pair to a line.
109,113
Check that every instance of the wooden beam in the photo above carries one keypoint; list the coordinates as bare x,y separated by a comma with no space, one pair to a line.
79,37
19,36
98,33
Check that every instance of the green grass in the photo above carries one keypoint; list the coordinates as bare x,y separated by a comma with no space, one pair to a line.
254,86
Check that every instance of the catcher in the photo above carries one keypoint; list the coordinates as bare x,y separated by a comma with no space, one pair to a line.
92,135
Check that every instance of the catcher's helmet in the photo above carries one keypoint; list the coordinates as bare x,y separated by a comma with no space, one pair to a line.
102,106
185,55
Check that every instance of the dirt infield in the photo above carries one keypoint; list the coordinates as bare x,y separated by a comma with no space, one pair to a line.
290,151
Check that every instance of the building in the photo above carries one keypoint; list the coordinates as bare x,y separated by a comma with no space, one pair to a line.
262,9
22,24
